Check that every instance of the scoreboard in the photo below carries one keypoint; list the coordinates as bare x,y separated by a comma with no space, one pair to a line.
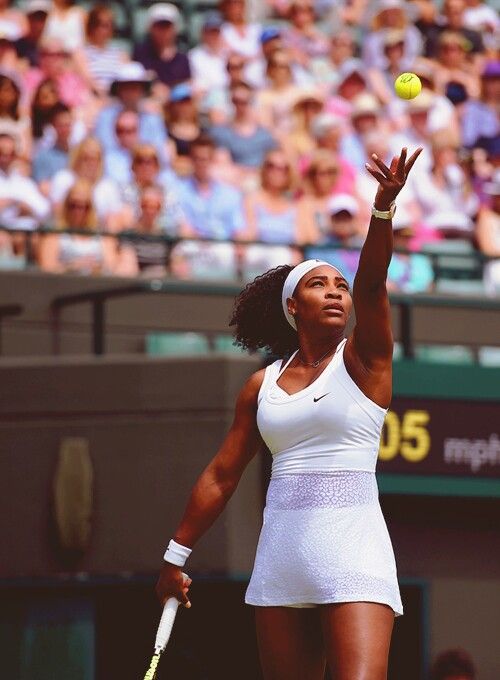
439,436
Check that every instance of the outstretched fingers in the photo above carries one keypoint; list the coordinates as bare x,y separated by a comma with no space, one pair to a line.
401,164
382,166
411,160
378,176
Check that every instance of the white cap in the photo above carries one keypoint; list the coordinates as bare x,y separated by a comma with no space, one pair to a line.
9,31
132,72
163,11
423,102
389,4
324,122
351,66
33,6
365,103
343,202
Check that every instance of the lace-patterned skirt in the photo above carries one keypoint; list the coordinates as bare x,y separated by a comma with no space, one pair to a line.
324,539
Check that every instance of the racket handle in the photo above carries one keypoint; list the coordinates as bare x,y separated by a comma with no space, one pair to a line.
166,622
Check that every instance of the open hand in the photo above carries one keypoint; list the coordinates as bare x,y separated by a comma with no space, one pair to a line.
391,180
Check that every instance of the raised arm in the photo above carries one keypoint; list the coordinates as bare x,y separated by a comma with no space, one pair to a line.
372,335
216,484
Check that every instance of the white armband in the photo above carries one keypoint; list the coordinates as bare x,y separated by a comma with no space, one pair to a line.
176,553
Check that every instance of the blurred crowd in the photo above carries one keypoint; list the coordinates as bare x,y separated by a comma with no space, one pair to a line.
258,130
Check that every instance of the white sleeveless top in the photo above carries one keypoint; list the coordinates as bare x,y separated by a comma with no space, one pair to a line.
339,431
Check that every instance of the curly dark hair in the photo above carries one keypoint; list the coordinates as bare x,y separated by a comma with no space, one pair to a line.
258,315
453,662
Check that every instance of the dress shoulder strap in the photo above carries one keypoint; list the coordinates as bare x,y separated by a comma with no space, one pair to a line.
280,371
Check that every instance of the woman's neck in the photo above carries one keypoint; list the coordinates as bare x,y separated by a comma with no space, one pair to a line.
273,193
320,348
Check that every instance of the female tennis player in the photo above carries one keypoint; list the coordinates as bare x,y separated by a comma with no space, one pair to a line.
324,583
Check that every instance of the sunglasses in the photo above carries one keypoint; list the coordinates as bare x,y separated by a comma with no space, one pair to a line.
142,160
326,171
276,166
237,101
78,205
163,23
59,53
125,130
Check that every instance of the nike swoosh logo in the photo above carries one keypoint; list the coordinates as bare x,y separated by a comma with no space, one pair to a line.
323,395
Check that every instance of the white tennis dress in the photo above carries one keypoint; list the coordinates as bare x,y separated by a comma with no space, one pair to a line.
324,537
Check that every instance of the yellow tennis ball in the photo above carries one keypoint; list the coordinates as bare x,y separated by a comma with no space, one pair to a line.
407,86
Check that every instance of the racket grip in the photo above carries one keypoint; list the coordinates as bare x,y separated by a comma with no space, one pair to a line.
166,622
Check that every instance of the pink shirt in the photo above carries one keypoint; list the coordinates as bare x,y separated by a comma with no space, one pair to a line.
346,181
72,90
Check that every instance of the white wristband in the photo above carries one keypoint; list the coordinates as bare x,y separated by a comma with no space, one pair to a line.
177,554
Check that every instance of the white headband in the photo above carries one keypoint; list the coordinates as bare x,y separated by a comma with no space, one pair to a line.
292,280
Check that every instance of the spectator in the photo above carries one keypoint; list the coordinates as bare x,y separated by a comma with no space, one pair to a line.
303,39
452,20
321,179
328,131
159,50
140,254
9,35
28,45
453,66
341,228
212,209
271,214
86,162
326,69
207,61
118,160
255,72
366,117
145,173
484,19
352,82
182,122
100,60
66,24
238,35
390,15
382,80
78,253
488,234
12,18
246,141
47,162
445,198
480,116
275,101
299,142
130,88
453,664
22,206
11,122
217,103
271,40
54,64
418,130
408,272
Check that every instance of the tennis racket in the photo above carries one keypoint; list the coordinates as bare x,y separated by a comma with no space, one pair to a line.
163,633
